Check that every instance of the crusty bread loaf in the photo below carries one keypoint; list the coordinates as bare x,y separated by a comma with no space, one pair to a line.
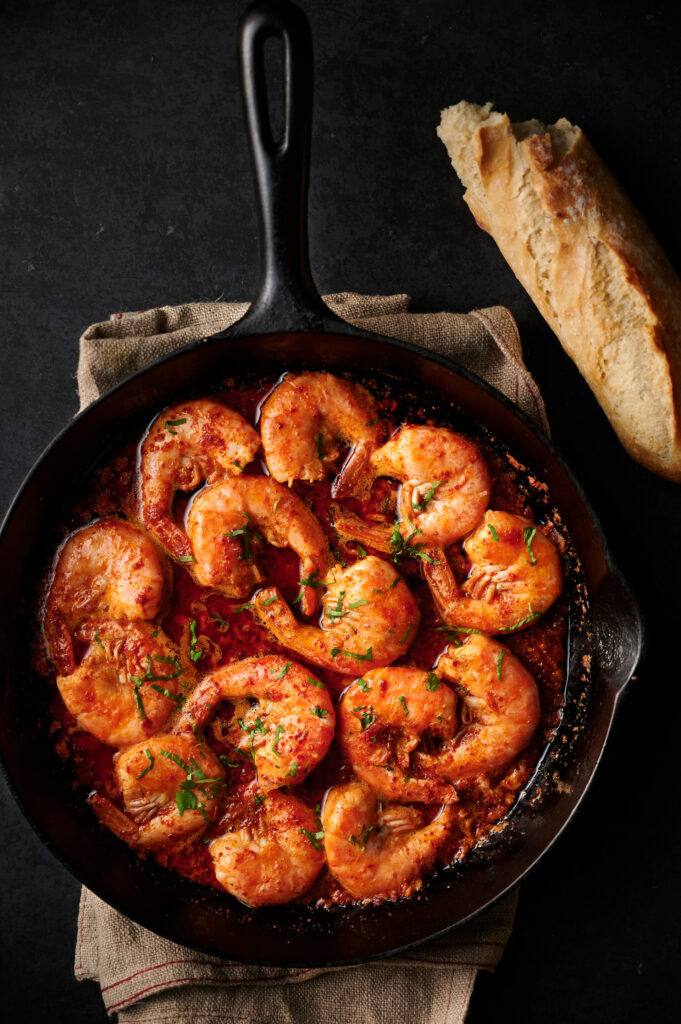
589,262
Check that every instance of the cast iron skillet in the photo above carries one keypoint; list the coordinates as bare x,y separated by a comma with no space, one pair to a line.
289,326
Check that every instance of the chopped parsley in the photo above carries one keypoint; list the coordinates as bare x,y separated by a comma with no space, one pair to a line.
427,497
372,423
283,671
362,552
367,716
432,682
528,537
243,608
247,536
316,682
493,530
401,547
185,797
150,677
98,640
532,617
258,800
174,423
293,770
186,558
177,698
453,633
150,756
314,837
195,653
335,651
319,712
277,736
363,685
360,840
219,619
500,658
270,600
276,504
407,631
403,703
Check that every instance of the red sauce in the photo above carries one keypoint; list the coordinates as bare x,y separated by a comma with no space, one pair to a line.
227,632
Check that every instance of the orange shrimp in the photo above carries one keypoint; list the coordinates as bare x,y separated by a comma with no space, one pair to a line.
288,731
229,522
273,859
516,576
369,616
303,421
107,570
188,443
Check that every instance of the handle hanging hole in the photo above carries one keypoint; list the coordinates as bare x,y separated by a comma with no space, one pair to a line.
274,66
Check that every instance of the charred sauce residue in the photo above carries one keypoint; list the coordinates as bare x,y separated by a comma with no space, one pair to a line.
226,631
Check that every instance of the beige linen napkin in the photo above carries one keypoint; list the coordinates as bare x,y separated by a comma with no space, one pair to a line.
145,978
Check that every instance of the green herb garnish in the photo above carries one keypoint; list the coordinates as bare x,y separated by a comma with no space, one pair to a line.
247,535
349,654
316,682
528,537
532,617
293,771
492,529
277,735
195,653
432,682
363,685
500,658
319,712
149,766
98,640
404,704
361,838
427,497
174,423
407,631
314,837
270,600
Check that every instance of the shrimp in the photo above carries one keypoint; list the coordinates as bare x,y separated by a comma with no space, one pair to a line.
303,421
187,444
500,710
289,731
171,788
377,849
369,615
273,860
127,684
107,570
515,578
445,490
223,525
383,717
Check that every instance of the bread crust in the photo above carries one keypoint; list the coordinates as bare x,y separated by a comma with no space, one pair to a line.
589,262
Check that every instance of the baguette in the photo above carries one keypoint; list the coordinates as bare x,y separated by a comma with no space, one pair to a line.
589,262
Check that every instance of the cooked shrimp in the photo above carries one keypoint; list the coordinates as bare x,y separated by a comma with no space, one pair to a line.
383,717
369,616
171,788
128,683
376,849
107,570
445,489
303,421
500,710
516,576
187,444
228,522
273,860
289,731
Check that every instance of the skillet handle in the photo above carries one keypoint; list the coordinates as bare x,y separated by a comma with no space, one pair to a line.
287,299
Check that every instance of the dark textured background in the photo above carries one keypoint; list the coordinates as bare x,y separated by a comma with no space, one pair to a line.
125,184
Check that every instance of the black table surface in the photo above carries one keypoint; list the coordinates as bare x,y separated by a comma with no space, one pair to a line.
126,184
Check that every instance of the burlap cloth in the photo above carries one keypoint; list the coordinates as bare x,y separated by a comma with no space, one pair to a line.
146,978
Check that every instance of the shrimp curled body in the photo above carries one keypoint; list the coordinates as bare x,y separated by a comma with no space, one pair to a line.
187,444
515,577
500,710
369,616
289,731
302,423
171,788
383,717
227,524
127,684
107,570
376,849
271,860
